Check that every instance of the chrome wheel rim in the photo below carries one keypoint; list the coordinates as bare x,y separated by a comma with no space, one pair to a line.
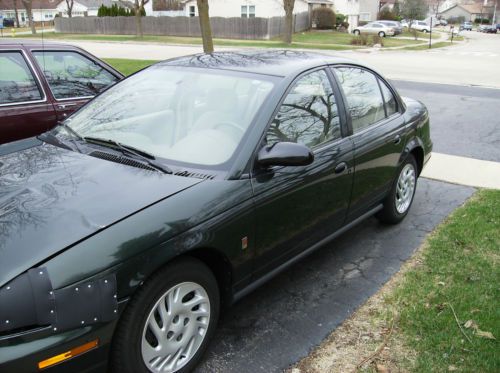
405,188
175,328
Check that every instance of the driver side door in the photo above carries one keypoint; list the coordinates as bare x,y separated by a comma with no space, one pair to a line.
297,206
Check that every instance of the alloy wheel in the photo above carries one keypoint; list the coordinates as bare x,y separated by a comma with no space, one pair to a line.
405,188
175,328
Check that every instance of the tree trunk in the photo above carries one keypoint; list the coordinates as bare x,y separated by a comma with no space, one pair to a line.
138,18
28,5
16,13
288,6
206,29
138,23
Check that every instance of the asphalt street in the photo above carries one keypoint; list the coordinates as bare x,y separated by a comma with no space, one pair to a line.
465,121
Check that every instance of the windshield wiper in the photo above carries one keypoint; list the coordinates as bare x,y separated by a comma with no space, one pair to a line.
73,133
149,158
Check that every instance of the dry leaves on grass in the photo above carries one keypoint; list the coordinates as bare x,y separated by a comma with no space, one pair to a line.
471,324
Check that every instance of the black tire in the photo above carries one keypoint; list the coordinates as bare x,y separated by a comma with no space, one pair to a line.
390,214
381,34
356,32
126,352
425,31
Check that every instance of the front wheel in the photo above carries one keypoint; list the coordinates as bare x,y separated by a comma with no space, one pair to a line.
356,32
425,31
398,202
168,323
381,34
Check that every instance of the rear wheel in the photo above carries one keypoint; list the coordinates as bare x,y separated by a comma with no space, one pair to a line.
168,324
356,32
398,202
425,31
381,34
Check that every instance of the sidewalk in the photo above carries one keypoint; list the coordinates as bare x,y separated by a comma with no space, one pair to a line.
463,171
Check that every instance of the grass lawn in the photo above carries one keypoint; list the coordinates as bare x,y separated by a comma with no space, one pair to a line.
450,302
440,313
128,67
304,40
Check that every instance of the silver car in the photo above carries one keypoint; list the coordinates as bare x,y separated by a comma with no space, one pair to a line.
374,28
398,28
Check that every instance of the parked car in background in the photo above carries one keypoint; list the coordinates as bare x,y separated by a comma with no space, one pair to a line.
8,22
41,84
398,28
421,26
443,22
466,26
182,188
376,28
488,29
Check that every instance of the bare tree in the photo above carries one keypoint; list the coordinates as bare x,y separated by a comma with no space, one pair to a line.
28,5
16,13
206,29
139,10
69,7
288,6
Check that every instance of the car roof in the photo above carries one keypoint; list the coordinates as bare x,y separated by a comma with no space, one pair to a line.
268,62
29,43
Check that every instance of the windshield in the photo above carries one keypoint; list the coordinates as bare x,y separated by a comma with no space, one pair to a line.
185,115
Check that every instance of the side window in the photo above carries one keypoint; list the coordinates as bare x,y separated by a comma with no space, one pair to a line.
17,83
390,101
309,113
70,74
364,99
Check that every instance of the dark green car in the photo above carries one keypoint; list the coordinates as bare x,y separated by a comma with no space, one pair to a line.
126,229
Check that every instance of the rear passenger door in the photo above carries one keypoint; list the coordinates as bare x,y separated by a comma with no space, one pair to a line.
24,108
378,132
73,78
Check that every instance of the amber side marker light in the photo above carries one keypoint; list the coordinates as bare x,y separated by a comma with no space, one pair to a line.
68,354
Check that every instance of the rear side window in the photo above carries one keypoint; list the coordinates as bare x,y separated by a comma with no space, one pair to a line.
72,75
17,83
390,101
364,99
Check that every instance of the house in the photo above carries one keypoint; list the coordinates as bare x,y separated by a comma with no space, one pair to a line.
43,10
469,11
82,8
231,8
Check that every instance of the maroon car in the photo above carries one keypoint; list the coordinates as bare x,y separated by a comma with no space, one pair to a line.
41,84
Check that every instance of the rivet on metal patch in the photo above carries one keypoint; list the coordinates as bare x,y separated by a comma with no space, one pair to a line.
244,243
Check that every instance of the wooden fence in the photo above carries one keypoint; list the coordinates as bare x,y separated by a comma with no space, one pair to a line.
228,28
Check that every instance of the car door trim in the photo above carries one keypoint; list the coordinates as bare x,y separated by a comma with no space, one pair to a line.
35,75
269,275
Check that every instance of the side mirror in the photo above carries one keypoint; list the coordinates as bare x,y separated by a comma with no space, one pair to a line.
285,154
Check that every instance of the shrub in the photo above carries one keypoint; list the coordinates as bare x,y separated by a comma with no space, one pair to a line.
368,40
387,15
324,18
339,19
456,20
115,11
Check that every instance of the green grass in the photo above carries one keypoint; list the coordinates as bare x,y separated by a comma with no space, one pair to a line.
304,40
128,67
459,273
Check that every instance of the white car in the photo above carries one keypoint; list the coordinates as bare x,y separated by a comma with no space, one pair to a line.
420,26
374,28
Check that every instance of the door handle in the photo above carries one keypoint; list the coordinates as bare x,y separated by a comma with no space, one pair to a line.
341,167
64,106
397,139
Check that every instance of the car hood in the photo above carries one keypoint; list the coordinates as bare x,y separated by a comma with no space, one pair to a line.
51,198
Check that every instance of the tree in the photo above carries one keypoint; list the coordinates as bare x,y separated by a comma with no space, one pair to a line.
28,5
413,10
288,6
69,6
206,29
16,13
139,11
